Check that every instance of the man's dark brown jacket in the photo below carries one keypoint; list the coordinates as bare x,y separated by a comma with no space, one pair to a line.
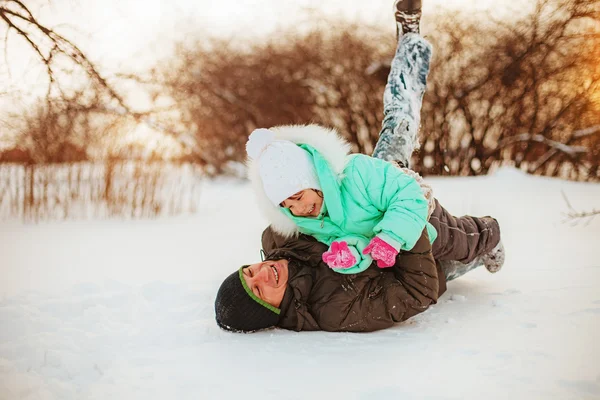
318,298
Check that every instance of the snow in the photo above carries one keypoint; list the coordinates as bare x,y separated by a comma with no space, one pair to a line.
124,309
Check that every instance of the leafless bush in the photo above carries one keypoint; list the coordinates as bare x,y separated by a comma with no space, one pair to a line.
68,129
224,90
525,91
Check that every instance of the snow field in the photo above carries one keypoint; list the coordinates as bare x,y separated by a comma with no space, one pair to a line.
124,309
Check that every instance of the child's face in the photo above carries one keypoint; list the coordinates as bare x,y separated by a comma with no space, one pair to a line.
268,280
306,203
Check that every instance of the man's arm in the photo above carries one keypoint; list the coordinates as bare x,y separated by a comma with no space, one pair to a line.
303,245
387,301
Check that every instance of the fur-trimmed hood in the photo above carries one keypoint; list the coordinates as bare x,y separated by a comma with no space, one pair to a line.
326,141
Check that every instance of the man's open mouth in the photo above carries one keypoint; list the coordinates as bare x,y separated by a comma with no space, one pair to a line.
276,274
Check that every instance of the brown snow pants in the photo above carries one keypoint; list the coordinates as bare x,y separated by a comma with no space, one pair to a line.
462,238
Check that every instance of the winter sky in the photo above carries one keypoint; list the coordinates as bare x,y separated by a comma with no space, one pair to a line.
130,35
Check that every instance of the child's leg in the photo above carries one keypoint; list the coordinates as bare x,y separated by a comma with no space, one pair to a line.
402,100
462,238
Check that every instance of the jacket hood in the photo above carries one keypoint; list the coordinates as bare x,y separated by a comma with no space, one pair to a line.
327,142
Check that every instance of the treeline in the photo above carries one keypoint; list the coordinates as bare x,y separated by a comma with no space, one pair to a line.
523,90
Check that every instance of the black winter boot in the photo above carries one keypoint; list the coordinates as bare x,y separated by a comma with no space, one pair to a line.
408,16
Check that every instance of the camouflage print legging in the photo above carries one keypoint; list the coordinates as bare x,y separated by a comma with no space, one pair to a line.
402,100
398,139
402,107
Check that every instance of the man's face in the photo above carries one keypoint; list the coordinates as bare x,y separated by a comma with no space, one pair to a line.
268,280
305,203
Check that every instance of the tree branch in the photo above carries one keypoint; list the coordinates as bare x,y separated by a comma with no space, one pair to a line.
577,216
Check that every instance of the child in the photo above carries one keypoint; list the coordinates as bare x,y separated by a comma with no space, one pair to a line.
363,207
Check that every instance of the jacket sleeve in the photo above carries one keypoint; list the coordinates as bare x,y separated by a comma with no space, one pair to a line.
397,195
303,245
386,301
417,272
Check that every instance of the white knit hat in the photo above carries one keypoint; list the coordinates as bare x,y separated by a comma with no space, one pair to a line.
284,167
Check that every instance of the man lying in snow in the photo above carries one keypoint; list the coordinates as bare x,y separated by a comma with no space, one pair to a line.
297,289
294,289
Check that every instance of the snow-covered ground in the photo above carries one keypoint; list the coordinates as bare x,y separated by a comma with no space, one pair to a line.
124,310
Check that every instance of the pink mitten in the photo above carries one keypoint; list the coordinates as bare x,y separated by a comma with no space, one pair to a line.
339,255
381,251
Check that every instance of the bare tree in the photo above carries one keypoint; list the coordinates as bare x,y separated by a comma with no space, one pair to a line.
64,61
51,47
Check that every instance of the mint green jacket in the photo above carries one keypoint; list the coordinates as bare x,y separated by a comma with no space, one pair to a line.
372,198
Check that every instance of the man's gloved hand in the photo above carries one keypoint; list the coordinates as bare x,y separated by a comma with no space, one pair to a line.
382,252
